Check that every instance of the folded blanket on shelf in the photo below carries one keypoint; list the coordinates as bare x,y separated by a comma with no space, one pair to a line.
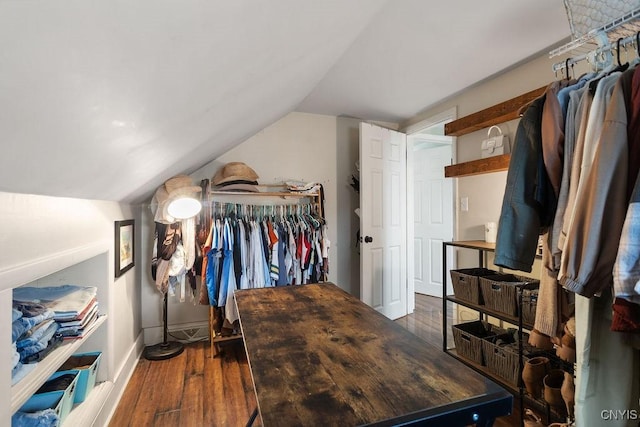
24,324
29,309
39,345
67,301
34,334
53,343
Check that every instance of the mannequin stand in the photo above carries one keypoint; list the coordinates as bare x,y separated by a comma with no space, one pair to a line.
165,349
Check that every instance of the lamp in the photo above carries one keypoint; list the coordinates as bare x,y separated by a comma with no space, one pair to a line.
184,207
174,200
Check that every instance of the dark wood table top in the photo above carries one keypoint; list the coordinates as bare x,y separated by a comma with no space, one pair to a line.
321,357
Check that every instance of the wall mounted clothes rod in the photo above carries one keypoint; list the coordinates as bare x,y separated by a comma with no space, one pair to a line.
601,55
261,211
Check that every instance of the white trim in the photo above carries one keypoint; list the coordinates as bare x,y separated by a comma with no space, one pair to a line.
19,274
444,116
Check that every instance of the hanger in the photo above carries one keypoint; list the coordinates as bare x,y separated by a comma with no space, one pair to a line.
621,66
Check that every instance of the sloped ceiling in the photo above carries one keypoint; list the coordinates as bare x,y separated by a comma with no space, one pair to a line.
107,99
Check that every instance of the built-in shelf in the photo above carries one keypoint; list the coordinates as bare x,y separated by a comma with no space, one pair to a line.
85,413
499,113
476,167
23,390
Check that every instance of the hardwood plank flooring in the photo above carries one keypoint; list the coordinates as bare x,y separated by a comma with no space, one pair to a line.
194,389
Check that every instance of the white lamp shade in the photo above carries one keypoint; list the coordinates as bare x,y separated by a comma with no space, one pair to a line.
184,207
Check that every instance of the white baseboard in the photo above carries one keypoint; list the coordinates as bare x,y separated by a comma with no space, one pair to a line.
122,377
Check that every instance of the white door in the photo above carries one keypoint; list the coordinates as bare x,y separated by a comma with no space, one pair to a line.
383,222
433,212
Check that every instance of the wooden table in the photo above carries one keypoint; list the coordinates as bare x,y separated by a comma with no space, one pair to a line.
320,357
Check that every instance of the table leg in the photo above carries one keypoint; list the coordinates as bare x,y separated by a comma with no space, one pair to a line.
253,417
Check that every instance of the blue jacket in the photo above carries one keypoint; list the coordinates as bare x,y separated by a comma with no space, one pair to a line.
529,201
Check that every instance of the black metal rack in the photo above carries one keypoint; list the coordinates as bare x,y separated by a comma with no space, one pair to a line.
484,312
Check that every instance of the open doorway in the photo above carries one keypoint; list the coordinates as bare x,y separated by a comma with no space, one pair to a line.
430,202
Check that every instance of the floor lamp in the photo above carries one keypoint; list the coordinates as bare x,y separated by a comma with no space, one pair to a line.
166,349
175,201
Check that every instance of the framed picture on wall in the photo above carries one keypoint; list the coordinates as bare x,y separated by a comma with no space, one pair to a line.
124,248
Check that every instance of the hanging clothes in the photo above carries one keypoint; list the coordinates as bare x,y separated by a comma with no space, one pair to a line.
588,244
246,251
520,218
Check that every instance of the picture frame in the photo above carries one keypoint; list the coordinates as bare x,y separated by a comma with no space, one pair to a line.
124,246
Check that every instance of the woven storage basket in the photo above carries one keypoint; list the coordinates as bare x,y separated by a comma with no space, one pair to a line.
468,338
466,285
502,360
500,292
529,303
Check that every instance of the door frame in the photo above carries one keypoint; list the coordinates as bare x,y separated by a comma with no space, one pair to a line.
442,117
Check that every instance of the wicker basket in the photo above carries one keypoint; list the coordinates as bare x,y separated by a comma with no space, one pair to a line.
469,336
502,360
500,292
466,285
529,303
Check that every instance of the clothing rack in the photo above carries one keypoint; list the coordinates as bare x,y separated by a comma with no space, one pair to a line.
603,55
598,45
622,27
270,203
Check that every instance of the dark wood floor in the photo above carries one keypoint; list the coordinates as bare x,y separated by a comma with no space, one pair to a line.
194,389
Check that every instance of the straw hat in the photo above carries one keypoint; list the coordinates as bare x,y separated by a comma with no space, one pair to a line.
173,188
181,185
234,171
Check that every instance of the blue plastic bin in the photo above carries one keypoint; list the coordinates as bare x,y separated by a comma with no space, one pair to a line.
87,364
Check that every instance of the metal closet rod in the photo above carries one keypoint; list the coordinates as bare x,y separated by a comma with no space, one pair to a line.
592,56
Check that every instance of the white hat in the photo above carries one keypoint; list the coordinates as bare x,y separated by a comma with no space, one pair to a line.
174,188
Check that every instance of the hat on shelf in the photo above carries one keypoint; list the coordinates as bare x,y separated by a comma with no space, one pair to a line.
236,172
244,186
181,185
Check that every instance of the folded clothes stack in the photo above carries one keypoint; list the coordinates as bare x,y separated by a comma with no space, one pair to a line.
32,331
303,187
43,317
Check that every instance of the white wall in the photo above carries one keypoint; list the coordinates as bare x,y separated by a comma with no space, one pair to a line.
38,231
299,146
485,192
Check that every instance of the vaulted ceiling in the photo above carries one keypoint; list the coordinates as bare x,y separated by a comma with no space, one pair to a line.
107,99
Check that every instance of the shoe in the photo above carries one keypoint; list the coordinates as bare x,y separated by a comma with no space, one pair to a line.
531,419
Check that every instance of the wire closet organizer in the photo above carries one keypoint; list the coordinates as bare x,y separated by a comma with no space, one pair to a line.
597,47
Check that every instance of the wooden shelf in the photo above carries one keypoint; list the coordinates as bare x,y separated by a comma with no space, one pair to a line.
488,311
283,194
539,404
499,113
476,167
